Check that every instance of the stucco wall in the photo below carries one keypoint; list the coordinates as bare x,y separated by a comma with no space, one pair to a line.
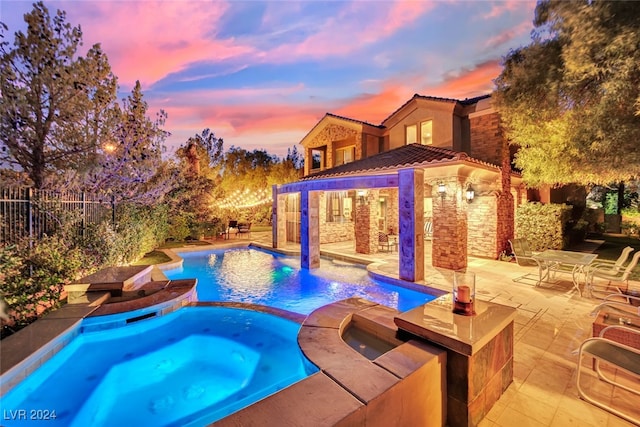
442,126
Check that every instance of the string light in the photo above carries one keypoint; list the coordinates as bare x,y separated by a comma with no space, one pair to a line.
246,199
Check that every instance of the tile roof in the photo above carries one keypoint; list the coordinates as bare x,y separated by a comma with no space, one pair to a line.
353,120
341,118
465,102
411,155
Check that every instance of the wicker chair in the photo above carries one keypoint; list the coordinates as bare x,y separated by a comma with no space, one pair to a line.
385,243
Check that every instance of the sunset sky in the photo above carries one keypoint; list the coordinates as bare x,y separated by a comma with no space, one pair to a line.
261,74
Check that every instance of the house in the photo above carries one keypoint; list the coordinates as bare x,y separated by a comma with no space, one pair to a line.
437,160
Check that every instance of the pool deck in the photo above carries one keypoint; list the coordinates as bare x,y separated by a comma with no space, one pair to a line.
551,322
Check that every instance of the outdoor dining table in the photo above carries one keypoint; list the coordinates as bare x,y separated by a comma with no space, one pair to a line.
575,263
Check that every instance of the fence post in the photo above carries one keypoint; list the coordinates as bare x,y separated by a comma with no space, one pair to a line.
113,210
30,215
83,224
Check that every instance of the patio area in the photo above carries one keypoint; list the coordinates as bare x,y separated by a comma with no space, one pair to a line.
551,322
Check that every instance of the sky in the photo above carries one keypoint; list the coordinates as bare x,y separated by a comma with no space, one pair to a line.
260,74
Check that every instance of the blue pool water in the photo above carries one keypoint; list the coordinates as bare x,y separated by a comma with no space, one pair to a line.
259,277
188,368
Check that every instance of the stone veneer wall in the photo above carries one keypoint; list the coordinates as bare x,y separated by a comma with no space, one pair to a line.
392,209
326,137
366,230
332,232
506,206
482,227
474,384
449,247
486,138
489,145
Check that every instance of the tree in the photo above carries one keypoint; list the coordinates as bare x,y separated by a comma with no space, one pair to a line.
571,99
53,101
202,153
130,164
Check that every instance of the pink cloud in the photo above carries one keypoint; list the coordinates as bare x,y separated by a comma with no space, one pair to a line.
467,83
508,35
148,40
348,31
499,8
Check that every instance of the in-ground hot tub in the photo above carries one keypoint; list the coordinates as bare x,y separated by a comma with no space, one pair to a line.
190,367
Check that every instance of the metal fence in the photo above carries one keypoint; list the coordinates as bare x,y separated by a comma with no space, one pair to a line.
30,213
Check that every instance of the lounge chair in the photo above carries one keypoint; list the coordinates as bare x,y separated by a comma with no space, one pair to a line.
624,358
525,258
385,243
621,276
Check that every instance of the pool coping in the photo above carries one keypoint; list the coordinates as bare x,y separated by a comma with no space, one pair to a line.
26,350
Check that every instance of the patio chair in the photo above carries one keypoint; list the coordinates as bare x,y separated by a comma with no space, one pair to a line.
428,229
385,243
232,229
616,355
612,267
626,304
609,267
621,276
525,258
244,229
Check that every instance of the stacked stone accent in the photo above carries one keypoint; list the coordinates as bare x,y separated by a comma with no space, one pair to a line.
326,137
331,232
506,205
279,218
366,227
486,138
482,225
449,249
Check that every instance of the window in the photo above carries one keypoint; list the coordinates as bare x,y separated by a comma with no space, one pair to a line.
345,155
426,132
317,159
411,134
340,206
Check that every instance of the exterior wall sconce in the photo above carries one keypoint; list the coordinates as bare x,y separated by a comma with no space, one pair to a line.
470,194
362,197
442,190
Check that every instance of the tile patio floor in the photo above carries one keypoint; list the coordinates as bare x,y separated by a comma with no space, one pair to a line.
551,321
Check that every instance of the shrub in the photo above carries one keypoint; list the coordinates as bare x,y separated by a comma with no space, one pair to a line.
33,278
543,225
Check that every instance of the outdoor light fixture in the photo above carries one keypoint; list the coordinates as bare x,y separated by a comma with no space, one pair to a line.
442,190
362,196
470,194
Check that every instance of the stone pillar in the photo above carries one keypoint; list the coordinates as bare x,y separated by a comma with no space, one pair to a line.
278,218
309,230
411,224
366,224
449,248
505,204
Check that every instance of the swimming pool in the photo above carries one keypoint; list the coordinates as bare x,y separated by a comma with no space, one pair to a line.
260,277
190,367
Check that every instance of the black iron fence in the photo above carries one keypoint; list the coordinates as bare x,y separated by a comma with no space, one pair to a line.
30,213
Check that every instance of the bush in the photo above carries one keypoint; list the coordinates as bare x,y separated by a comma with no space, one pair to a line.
33,278
179,227
543,225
